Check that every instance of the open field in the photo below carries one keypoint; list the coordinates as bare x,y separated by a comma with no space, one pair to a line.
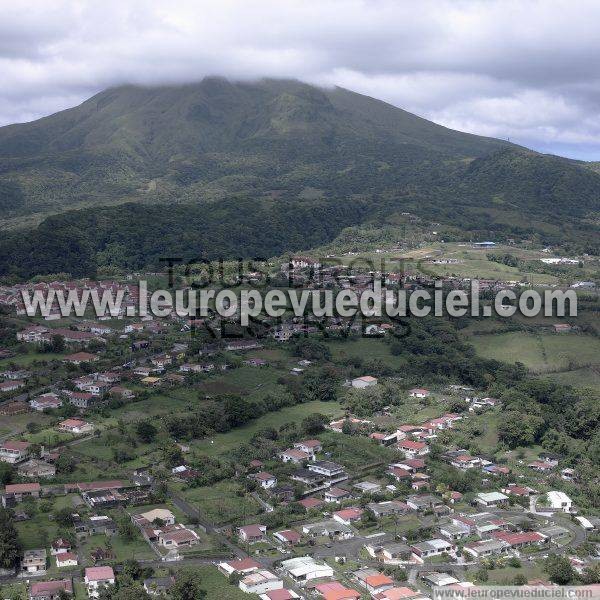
541,353
223,502
224,442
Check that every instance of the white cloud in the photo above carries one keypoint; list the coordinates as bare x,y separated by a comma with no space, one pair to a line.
528,70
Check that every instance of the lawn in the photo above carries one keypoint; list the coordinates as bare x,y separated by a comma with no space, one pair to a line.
225,442
136,548
221,503
541,353
218,587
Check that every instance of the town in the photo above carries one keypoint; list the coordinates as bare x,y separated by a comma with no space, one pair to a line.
151,454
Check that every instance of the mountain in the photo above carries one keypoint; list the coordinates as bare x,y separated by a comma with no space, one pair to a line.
282,149
211,139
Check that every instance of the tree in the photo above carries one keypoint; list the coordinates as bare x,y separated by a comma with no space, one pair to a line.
482,575
10,548
146,431
187,586
6,473
314,423
519,579
65,463
559,569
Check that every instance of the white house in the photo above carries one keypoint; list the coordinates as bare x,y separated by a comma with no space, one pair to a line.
364,382
14,451
66,559
560,501
265,480
304,568
97,578
492,499
260,582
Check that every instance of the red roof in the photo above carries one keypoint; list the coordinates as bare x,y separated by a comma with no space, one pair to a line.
410,445
281,594
311,503
252,530
244,564
349,514
20,488
378,580
51,586
99,573
17,446
525,537
65,556
398,472
290,535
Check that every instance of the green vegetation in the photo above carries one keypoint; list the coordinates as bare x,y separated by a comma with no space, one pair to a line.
222,159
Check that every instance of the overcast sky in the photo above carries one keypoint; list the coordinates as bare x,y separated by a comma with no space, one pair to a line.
528,71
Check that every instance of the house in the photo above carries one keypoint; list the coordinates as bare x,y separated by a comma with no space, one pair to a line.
252,533
35,468
50,590
294,455
264,479
33,335
181,537
158,586
486,548
163,515
288,537
334,590
560,501
80,357
465,462
431,548
45,402
373,581
97,578
387,508
260,582
66,559
364,382
492,499
34,561
311,447
412,449
519,539
75,426
454,532
330,528
17,492
11,386
241,565
14,451
385,439
423,502
327,468
336,495
60,546
310,503
390,552
304,568
399,593
419,393
398,473
347,516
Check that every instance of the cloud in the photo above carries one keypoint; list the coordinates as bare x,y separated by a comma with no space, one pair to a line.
528,70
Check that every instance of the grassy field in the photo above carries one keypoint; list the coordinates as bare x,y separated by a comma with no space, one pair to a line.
541,353
224,442
222,502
